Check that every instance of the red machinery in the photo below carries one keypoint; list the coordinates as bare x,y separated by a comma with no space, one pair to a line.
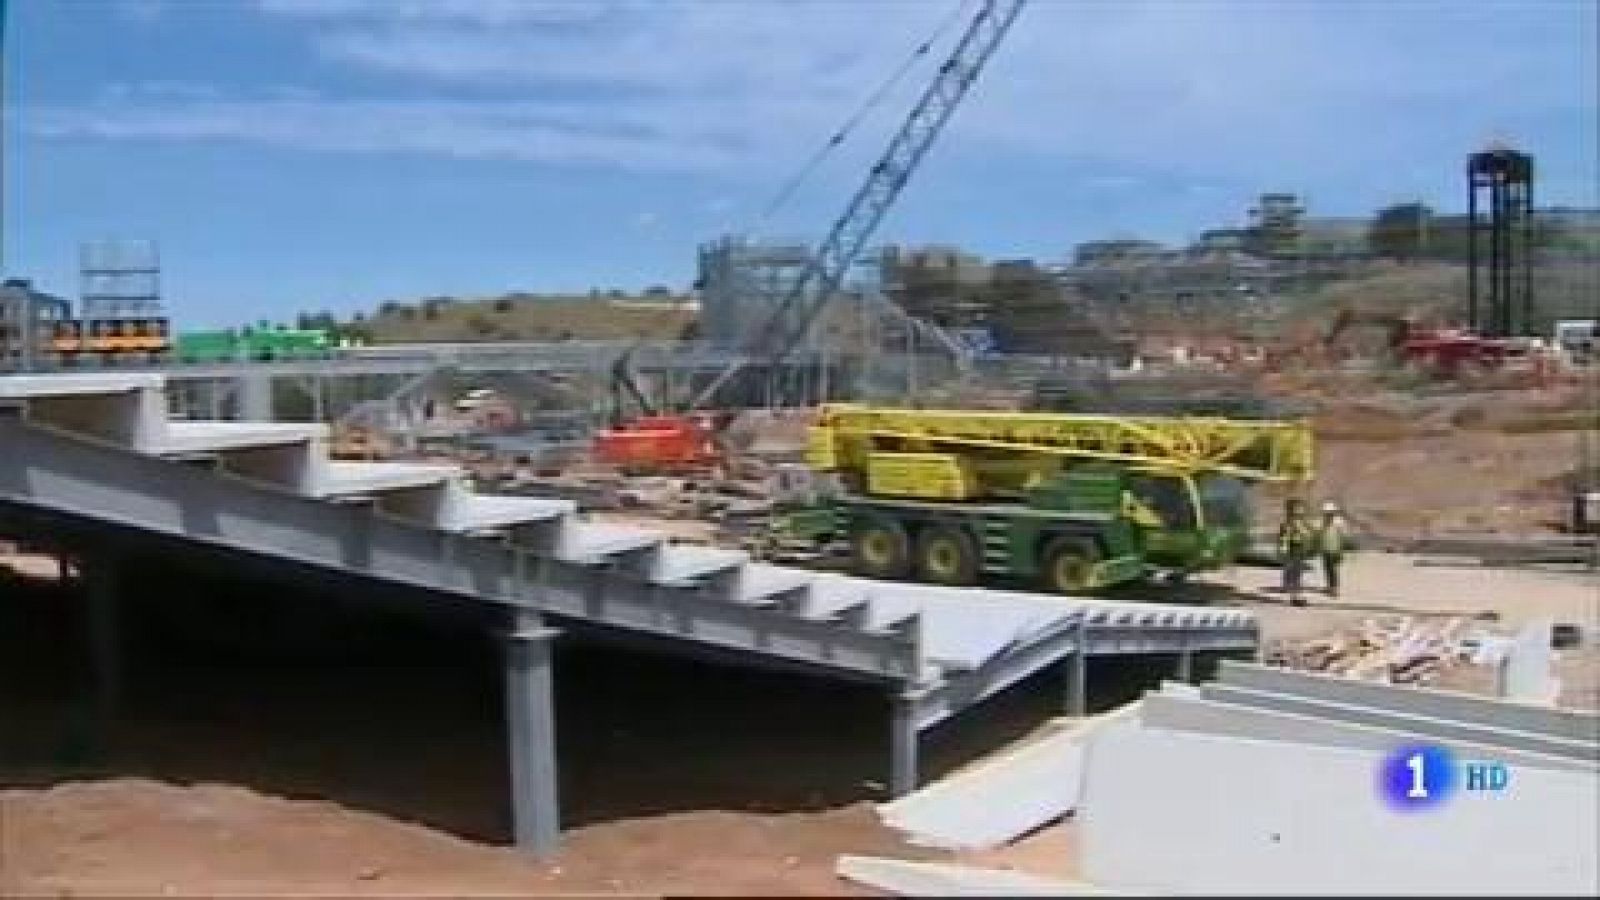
660,443
1448,350
1442,350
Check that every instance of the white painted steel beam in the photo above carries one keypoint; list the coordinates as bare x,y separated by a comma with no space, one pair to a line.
421,525
100,483
1191,711
1467,708
1431,726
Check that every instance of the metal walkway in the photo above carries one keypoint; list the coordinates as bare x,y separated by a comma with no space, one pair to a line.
100,448
482,356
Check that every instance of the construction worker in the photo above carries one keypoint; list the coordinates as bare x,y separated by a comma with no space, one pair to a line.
1333,537
1295,539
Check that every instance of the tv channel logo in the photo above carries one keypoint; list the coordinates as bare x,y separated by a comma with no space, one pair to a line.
1426,776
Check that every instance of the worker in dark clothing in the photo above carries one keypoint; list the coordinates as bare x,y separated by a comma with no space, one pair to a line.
1333,538
1295,540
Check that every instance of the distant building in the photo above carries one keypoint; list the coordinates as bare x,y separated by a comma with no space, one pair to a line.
1223,240
1118,252
1276,224
1334,236
28,318
952,263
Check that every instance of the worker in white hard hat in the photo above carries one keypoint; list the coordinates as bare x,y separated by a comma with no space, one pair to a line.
1333,539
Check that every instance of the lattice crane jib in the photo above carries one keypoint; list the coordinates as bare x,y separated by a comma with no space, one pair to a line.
1265,450
786,326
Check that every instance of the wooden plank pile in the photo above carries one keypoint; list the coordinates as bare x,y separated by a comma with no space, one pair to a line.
1395,649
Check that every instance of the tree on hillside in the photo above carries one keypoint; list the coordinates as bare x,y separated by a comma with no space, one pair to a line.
504,304
1399,231
322,321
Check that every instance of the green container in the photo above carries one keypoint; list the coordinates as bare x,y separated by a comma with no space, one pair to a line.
207,346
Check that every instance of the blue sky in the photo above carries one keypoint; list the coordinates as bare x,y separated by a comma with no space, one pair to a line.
331,154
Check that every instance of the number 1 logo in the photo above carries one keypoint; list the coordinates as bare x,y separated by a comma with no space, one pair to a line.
1416,777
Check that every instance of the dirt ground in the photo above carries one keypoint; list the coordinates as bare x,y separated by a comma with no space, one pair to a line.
1464,483
386,776
1410,465
248,786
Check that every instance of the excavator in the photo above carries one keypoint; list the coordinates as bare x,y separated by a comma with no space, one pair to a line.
1445,351
653,442
662,440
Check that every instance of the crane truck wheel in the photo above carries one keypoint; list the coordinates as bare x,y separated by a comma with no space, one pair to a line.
945,556
880,549
1069,565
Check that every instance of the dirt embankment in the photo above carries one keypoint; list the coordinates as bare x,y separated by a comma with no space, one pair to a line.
1487,462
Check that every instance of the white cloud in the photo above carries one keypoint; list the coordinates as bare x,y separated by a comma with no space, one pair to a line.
1158,90
480,12
158,89
506,131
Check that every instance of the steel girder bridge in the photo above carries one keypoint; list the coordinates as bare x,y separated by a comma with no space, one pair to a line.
95,467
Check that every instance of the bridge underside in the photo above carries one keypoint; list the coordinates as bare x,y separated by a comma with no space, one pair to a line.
93,467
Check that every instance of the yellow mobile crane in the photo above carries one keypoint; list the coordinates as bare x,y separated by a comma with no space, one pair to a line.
1074,502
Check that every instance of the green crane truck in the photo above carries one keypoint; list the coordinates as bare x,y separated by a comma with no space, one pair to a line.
1072,502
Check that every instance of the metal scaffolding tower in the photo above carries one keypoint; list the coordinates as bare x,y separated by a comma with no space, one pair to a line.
1503,178
119,279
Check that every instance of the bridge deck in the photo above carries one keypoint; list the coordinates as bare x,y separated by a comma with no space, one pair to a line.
99,448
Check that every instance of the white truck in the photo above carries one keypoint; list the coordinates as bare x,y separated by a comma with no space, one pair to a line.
1578,340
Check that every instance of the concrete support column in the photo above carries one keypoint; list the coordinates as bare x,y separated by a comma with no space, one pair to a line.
1185,669
214,397
902,745
255,397
103,640
319,412
1076,668
531,736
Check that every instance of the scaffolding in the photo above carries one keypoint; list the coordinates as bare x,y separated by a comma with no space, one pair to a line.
119,279
1503,243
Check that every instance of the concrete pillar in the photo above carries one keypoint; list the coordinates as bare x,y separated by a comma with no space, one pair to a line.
255,397
1185,671
531,736
1076,668
902,745
103,640
214,398
319,412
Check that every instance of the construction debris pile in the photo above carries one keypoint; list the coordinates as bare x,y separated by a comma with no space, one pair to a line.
1397,650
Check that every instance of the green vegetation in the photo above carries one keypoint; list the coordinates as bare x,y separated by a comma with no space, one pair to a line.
1562,289
1413,231
611,315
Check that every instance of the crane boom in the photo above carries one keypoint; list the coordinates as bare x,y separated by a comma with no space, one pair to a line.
811,292
1266,450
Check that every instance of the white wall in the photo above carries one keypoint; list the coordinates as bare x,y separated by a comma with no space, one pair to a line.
1179,812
